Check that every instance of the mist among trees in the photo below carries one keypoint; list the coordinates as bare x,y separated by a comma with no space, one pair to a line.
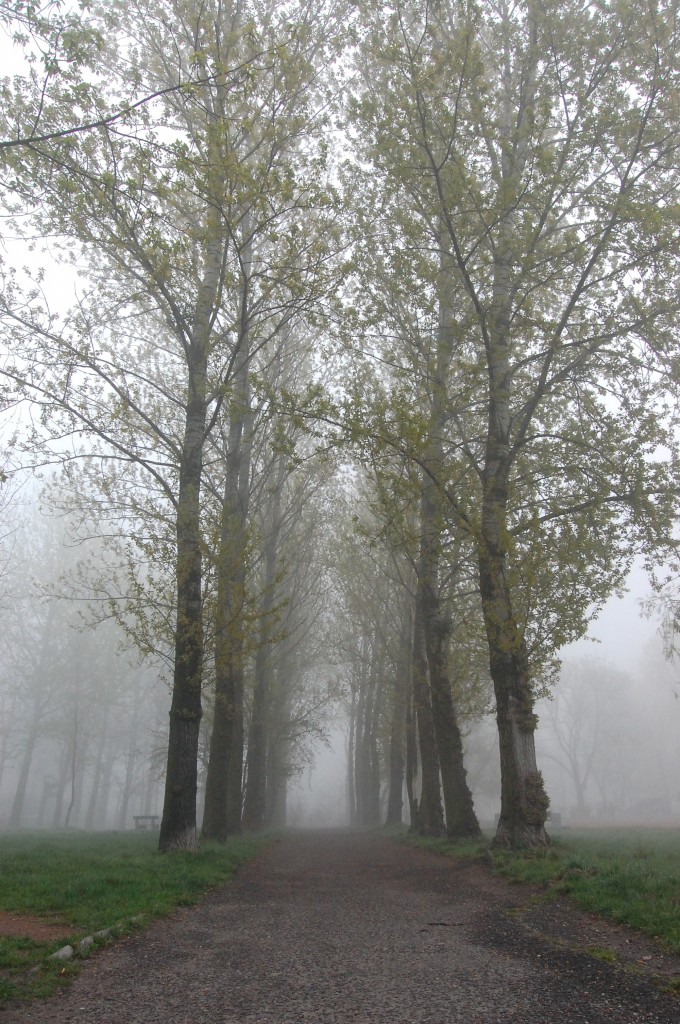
343,339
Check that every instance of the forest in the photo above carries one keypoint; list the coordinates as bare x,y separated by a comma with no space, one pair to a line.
338,392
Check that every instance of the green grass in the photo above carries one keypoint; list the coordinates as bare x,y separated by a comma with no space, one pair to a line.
86,882
629,876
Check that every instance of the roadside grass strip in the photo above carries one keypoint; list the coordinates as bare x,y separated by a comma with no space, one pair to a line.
631,876
88,882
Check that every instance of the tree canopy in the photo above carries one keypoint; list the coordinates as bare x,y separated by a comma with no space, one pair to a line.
442,235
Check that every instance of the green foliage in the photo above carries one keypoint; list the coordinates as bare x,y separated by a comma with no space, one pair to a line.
529,182
92,881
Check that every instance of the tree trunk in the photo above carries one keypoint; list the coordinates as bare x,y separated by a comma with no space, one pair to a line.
411,759
223,787
224,779
351,755
60,786
97,774
178,824
254,804
24,775
430,818
398,717
524,802
279,742
461,820
74,762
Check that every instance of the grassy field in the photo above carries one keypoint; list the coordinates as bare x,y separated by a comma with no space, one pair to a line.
85,882
629,875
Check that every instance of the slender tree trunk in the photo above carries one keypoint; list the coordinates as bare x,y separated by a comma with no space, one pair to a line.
277,782
105,798
411,759
254,805
351,759
97,774
24,775
130,765
397,747
7,731
73,763
359,744
60,786
279,742
373,814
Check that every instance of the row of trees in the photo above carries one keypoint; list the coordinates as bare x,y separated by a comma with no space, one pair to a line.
83,723
474,282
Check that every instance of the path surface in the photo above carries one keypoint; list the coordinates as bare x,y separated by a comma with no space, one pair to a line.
340,927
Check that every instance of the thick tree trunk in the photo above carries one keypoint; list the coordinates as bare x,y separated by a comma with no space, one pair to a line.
524,802
220,817
430,817
461,820
224,780
178,824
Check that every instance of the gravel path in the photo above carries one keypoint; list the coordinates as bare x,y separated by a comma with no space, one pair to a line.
332,927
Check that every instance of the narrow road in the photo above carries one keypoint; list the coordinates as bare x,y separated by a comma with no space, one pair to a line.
330,927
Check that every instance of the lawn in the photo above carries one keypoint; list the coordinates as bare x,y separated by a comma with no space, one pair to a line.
92,881
629,875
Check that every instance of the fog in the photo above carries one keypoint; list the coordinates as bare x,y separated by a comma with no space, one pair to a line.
312,469
84,718
608,738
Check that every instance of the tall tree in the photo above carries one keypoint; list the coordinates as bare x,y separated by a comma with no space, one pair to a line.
167,212
540,144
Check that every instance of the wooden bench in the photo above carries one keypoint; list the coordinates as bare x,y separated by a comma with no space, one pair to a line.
146,820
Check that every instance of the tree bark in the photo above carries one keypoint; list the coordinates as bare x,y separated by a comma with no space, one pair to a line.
400,700
178,824
461,820
255,798
223,788
430,817
411,759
